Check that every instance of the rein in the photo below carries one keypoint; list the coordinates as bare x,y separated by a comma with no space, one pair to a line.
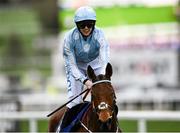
85,127
97,82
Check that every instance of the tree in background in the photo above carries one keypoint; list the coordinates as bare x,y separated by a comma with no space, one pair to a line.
49,15
14,57
17,45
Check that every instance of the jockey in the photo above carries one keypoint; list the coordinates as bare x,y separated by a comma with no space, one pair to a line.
84,45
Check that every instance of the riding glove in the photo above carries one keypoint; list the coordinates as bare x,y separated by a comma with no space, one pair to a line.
88,84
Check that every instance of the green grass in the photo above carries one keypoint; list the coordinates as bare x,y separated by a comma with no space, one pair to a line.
20,22
114,16
17,20
41,124
25,25
135,15
25,21
163,126
126,126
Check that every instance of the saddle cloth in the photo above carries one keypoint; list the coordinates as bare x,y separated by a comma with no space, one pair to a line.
75,114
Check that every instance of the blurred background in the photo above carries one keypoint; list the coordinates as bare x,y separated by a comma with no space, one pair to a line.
144,38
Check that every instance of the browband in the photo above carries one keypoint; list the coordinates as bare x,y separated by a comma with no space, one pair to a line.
101,81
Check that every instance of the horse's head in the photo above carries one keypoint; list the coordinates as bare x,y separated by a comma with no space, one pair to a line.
102,94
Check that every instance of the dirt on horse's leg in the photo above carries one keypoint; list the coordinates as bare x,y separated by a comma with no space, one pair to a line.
55,118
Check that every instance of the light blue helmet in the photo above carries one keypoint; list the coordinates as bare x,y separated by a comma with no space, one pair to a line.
84,13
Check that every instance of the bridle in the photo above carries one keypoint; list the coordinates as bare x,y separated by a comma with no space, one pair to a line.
101,81
103,105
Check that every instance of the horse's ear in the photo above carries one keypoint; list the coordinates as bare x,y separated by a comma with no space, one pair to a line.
91,73
109,70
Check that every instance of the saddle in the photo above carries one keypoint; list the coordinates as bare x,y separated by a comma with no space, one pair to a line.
72,117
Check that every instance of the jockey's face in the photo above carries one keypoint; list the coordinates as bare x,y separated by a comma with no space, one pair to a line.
86,27
86,31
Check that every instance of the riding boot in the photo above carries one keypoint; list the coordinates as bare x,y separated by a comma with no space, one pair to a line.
66,119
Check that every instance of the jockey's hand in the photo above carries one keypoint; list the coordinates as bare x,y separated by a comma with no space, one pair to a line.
88,84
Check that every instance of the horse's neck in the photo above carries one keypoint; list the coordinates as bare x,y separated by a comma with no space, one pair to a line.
90,119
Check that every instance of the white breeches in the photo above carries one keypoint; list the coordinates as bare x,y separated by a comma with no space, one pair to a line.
75,87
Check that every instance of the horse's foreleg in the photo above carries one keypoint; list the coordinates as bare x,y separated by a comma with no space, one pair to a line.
55,119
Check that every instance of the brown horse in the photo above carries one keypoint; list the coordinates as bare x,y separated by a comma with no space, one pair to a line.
101,116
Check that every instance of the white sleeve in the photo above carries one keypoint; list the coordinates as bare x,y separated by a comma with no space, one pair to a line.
70,61
104,52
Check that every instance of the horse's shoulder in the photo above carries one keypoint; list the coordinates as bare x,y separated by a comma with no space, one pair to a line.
89,110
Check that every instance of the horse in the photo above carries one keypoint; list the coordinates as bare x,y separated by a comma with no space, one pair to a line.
101,115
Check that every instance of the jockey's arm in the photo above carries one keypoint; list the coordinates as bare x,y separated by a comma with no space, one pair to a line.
104,52
70,62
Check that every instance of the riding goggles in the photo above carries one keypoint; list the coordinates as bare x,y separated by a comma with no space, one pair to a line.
85,23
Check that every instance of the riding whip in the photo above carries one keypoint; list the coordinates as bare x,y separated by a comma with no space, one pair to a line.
86,94
67,102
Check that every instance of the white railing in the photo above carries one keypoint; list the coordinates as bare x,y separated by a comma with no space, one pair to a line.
31,116
140,116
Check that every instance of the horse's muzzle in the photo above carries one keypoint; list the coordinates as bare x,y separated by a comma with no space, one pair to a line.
106,126
105,115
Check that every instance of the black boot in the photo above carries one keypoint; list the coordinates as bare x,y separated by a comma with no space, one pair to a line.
66,119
